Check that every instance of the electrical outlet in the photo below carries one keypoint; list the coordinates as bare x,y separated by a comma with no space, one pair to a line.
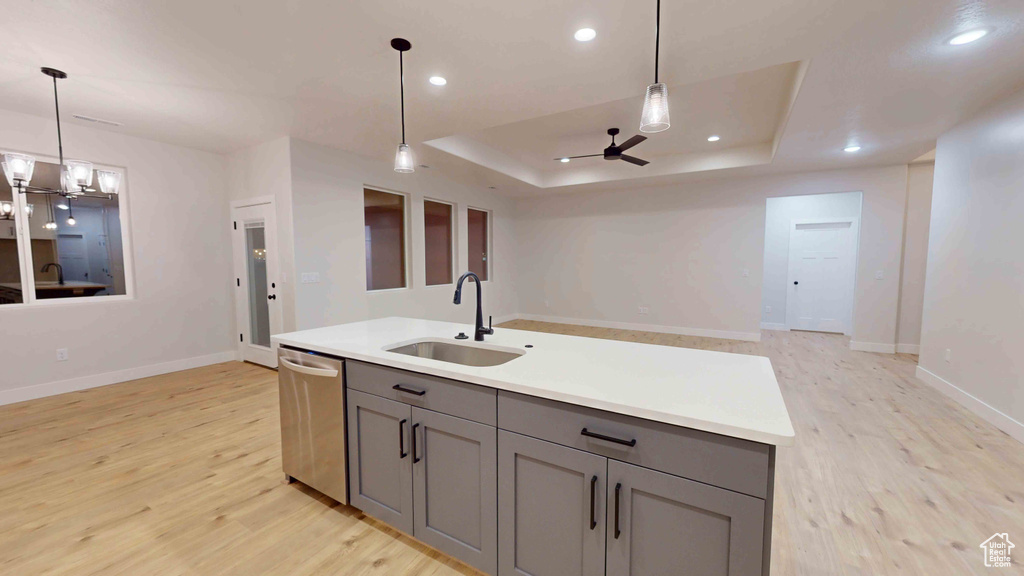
879,274
746,272
949,354
644,310
62,354
768,309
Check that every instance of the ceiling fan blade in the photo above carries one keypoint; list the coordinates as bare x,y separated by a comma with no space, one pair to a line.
632,142
573,157
634,160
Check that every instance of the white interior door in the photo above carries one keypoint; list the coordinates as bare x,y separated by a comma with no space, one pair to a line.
258,309
822,267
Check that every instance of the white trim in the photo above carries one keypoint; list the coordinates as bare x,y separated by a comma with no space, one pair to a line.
908,349
992,415
681,330
879,347
774,326
103,379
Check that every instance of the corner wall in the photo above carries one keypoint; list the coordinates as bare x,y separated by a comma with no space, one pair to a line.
974,292
181,316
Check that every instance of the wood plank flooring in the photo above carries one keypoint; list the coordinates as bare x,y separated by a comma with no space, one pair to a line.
181,474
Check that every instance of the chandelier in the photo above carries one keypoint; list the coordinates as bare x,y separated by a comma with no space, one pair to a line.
76,176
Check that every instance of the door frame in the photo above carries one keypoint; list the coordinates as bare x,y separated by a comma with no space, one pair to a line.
854,222
268,359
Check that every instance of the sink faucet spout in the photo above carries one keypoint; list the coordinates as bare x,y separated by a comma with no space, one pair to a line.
480,329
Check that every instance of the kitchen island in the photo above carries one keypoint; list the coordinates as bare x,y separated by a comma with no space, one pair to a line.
570,456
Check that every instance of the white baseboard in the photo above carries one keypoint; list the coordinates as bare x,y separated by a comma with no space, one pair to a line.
774,326
702,332
908,348
505,318
96,380
988,413
873,347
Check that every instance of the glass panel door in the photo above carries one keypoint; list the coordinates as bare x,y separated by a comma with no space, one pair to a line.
256,268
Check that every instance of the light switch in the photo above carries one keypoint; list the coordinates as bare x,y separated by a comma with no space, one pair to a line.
746,272
879,275
309,277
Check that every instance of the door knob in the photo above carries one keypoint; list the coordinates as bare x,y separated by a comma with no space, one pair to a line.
272,297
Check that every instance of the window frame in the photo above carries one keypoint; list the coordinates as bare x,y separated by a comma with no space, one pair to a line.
406,238
488,242
24,239
453,248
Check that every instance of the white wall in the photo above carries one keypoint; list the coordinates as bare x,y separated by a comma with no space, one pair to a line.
974,293
181,315
681,251
915,256
780,213
265,170
327,190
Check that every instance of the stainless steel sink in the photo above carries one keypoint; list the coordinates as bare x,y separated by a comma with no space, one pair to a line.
456,353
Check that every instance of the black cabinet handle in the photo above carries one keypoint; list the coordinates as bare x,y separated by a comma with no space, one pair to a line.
629,443
401,439
618,488
795,283
401,388
415,458
272,297
593,498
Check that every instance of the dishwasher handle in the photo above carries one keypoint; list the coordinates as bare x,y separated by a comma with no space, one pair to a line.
326,372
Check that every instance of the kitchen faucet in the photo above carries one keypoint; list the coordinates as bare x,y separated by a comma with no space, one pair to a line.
480,330
60,271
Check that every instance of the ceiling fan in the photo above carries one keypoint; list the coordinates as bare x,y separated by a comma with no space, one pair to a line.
614,152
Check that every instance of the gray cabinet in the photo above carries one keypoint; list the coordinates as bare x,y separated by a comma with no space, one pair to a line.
660,523
551,509
380,464
455,487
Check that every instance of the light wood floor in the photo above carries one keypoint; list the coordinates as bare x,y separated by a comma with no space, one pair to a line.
181,474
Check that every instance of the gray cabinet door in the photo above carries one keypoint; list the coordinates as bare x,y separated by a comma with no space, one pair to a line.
551,509
380,460
455,489
665,523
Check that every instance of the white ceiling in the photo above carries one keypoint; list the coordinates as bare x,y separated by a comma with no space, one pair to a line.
224,75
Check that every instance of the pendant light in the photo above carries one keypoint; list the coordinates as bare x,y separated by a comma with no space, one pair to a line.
75,175
655,116
404,161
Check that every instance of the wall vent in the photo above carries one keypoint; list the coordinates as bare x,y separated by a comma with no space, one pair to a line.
97,120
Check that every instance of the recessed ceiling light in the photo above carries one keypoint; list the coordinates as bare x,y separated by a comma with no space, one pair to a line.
968,37
563,160
851,149
585,34
62,206
492,187
438,81
714,138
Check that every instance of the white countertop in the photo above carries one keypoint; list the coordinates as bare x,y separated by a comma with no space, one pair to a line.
731,394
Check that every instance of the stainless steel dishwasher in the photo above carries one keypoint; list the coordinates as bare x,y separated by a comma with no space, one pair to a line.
313,421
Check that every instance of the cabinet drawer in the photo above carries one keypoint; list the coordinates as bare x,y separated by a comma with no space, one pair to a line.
730,463
438,394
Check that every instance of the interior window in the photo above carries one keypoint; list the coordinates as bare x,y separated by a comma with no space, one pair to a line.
80,255
384,221
438,230
479,242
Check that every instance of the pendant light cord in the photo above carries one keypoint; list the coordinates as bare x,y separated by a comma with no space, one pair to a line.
657,40
401,82
56,105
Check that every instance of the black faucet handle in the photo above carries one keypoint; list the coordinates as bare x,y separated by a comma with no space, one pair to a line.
490,330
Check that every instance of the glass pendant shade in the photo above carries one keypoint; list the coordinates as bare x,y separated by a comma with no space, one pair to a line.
404,162
18,167
29,209
79,173
655,116
110,181
6,208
